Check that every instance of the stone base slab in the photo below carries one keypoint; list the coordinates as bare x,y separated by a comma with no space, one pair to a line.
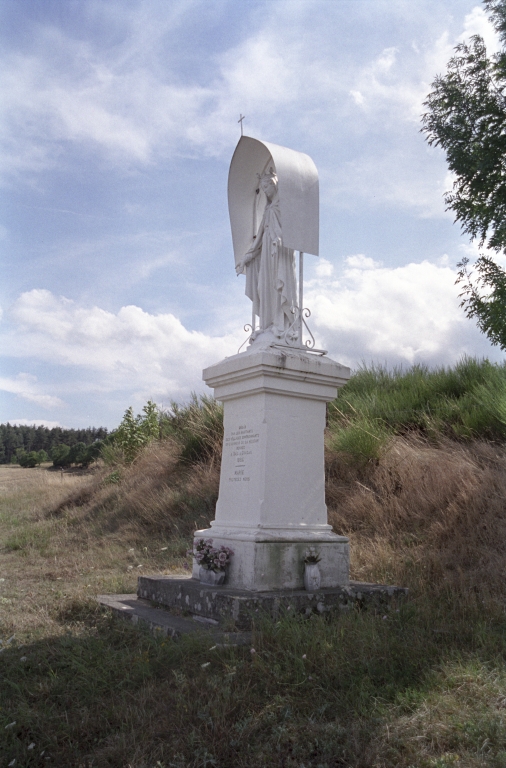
236,608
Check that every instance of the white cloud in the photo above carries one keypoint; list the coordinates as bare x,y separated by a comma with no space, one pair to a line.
323,268
359,261
357,97
25,385
154,355
477,23
401,315
36,423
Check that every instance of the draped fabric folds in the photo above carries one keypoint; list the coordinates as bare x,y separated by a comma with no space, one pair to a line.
270,275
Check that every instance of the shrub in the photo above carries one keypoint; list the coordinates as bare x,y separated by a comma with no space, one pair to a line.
29,459
135,432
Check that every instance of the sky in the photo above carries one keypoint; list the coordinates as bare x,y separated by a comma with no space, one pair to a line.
118,122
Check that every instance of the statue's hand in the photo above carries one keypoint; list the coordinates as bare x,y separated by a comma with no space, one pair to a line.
240,268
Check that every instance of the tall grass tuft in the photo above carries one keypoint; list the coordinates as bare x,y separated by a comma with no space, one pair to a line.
197,427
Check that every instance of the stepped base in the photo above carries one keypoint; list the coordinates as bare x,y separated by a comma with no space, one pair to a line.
161,622
238,608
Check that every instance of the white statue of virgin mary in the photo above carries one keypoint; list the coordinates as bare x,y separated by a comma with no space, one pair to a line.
286,182
270,266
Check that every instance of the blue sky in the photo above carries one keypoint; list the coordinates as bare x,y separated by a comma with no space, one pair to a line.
118,124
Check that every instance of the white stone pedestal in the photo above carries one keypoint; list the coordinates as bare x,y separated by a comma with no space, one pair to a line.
271,504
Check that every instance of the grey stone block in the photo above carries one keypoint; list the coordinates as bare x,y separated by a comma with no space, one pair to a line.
237,609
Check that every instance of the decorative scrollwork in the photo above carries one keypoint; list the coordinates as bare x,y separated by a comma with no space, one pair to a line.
247,327
309,343
291,336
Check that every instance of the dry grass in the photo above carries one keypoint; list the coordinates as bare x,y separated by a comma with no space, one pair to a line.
431,517
66,537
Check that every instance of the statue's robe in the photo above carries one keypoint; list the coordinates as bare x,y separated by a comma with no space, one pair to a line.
270,275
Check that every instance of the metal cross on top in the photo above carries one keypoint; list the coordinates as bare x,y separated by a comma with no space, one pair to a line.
241,118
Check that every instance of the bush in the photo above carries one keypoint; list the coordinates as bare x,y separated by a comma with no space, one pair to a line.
27,460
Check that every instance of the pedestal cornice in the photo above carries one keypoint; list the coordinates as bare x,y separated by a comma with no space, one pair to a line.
291,373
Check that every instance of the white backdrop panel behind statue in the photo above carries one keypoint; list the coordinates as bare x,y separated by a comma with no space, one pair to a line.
298,195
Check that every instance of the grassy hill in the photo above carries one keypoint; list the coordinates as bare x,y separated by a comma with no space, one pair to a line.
415,475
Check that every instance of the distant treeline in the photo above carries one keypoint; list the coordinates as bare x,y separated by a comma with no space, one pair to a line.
32,438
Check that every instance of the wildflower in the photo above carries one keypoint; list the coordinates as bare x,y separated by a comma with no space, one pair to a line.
23,658
304,656
252,651
385,617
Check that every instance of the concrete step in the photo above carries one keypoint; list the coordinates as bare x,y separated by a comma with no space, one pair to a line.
161,621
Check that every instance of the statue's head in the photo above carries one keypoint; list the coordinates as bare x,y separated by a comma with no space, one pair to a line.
269,183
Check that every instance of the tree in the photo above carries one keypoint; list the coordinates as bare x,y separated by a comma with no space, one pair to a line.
42,456
466,116
77,454
60,455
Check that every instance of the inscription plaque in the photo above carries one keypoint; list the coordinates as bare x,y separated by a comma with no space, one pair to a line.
239,446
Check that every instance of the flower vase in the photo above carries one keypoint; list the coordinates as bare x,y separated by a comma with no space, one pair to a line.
312,577
214,578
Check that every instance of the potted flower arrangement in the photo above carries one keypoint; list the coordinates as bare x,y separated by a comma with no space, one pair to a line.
212,561
312,576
